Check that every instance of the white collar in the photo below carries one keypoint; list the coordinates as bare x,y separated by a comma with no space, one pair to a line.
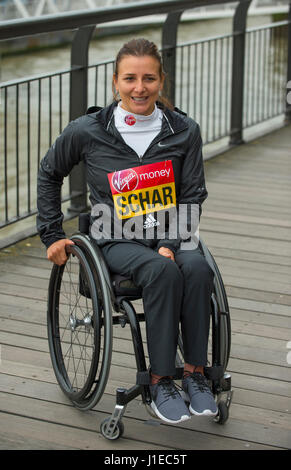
140,118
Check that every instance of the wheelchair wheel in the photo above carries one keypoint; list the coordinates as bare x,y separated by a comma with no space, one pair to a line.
218,301
220,298
111,432
80,327
223,413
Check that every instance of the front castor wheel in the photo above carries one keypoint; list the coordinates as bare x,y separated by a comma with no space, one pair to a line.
222,415
111,430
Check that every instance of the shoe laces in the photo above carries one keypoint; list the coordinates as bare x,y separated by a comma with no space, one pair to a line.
200,380
169,388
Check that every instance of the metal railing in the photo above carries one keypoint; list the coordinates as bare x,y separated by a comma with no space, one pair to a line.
266,65
33,112
203,84
207,79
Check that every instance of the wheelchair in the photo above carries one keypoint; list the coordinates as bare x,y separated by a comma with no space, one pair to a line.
85,300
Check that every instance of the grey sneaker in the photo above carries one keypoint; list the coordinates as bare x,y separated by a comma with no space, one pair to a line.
200,396
167,402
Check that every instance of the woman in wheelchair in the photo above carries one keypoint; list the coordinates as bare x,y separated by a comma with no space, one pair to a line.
143,159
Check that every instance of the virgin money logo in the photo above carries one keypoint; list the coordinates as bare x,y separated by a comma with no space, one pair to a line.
125,180
130,120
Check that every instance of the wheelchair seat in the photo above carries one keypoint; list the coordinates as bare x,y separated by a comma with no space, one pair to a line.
122,285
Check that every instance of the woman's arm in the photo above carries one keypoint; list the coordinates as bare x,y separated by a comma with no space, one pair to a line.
57,163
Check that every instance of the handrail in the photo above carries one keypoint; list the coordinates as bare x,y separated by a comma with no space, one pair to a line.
67,21
35,78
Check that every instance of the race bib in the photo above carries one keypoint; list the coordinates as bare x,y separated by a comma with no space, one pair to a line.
143,189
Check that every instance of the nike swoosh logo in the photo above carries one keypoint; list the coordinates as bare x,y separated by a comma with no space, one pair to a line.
162,145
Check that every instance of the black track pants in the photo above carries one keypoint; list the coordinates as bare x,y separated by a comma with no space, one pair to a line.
172,292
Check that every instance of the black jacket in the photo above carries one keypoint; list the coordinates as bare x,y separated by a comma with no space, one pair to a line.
94,139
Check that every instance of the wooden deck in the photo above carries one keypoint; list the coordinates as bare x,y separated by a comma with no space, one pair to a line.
247,226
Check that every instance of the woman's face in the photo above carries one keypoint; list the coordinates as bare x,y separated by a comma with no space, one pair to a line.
138,83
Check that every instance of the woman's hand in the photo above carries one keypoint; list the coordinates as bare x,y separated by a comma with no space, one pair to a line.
166,252
56,253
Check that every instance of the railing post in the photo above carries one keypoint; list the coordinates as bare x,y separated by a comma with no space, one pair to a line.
288,96
169,42
238,60
78,106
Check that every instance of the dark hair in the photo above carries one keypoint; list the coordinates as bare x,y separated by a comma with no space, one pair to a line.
139,48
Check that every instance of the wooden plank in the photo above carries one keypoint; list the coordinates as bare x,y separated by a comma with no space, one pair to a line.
24,292
250,193
263,400
60,436
26,328
262,370
246,243
23,301
24,282
245,209
246,303
262,356
25,260
263,231
247,183
269,298
188,437
251,266
10,440
254,195
248,167
244,218
256,170
264,319
238,255
256,284
241,272
261,329
259,342
22,270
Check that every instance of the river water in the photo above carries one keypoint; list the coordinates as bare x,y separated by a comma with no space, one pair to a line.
104,48
51,60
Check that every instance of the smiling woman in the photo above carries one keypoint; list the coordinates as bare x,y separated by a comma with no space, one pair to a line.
139,77
138,83
135,179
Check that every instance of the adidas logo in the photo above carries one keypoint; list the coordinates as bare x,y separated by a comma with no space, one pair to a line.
151,222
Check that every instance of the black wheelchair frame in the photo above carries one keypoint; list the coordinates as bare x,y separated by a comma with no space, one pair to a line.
82,296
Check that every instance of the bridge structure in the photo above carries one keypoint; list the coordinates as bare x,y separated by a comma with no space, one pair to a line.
245,223
33,8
